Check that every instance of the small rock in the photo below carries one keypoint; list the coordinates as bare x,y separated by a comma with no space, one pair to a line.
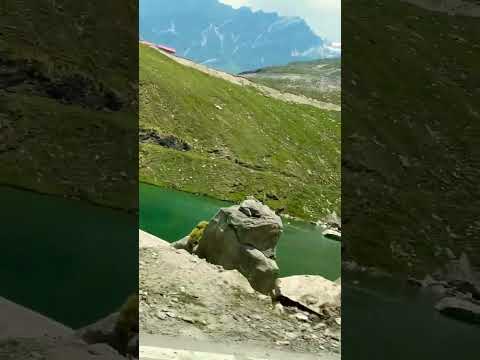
187,319
161,315
282,343
256,317
279,309
301,317
319,326
263,297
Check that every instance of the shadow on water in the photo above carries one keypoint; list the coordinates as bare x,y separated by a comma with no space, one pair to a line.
69,260
302,249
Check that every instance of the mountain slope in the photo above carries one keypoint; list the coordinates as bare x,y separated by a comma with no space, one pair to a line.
409,158
233,40
67,88
207,135
318,79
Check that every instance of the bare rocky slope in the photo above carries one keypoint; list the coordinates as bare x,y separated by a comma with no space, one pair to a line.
183,295
194,122
319,79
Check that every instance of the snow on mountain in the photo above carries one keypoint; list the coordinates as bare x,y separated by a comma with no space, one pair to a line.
229,39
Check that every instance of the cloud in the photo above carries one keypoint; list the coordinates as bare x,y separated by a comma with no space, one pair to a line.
324,16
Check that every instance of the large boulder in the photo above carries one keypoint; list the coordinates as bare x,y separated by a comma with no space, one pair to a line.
244,237
459,308
312,292
332,234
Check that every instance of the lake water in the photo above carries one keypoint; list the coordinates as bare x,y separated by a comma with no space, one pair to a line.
382,318
69,260
302,249
385,318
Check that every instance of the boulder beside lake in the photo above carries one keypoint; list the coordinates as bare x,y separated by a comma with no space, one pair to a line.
244,237
312,292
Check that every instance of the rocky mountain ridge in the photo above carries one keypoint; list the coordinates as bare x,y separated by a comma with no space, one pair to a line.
233,40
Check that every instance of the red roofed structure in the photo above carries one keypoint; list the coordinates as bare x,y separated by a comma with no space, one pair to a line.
166,49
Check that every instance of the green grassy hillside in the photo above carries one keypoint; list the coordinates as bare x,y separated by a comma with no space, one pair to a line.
68,105
319,79
240,142
408,155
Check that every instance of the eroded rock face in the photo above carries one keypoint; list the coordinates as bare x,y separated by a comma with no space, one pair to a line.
312,292
244,237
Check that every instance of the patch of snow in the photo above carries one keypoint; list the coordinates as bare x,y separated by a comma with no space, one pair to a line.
313,51
219,35
235,38
254,45
204,35
209,61
172,29
283,22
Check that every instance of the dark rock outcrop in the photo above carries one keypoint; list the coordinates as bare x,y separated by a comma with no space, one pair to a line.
168,141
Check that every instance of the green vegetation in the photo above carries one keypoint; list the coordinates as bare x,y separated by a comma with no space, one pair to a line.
197,232
319,79
67,112
243,143
407,156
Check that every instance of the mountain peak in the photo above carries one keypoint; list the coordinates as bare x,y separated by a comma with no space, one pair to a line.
229,39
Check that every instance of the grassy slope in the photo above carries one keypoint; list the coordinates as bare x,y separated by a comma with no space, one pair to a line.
57,147
414,98
319,79
264,147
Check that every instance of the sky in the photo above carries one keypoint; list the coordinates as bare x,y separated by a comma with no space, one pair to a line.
323,16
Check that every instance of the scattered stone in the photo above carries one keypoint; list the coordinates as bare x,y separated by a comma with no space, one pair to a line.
161,315
319,326
187,319
301,317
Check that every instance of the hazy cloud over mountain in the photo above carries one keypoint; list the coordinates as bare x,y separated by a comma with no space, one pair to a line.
324,16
